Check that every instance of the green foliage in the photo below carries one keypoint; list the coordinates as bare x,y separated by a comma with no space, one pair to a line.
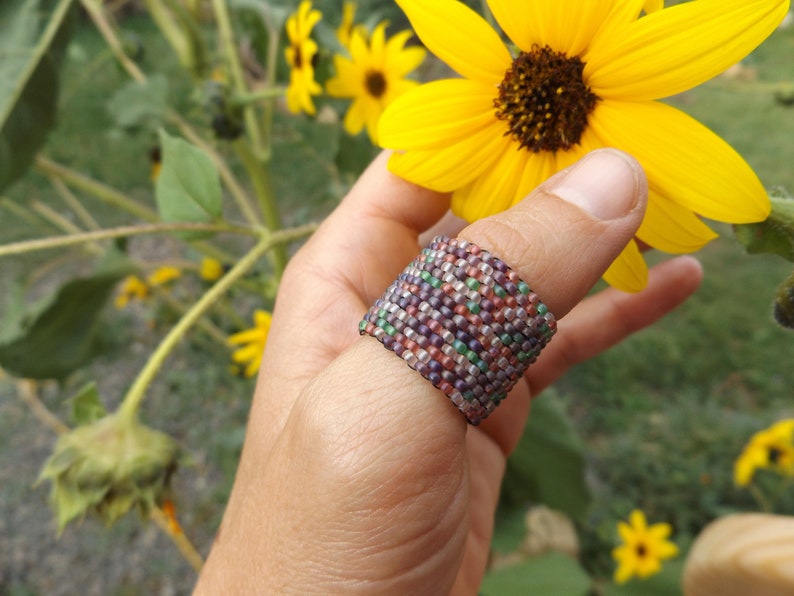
548,464
87,406
553,573
188,188
665,583
140,105
33,37
56,337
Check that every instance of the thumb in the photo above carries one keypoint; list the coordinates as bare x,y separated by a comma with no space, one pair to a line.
563,237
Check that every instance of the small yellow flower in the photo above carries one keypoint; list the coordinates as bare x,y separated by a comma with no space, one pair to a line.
344,32
644,548
771,448
211,269
579,76
373,77
163,275
300,54
131,288
253,343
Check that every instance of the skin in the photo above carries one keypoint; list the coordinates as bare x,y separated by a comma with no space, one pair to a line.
357,475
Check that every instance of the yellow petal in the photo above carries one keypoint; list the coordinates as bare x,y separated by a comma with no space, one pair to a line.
672,228
564,25
638,521
460,37
628,272
437,114
451,167
652,6
677,48
684,161
495,190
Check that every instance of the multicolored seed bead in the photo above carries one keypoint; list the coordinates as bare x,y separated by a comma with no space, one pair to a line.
465,321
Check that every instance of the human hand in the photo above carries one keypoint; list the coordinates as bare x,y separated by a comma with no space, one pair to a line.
357,475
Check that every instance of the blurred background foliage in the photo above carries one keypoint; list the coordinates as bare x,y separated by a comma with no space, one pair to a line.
655,423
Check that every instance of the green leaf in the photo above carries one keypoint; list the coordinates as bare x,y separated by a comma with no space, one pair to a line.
551,574
56,337
33,37
775,235
304,153
548,465
140,105
188,188
87,407
665,583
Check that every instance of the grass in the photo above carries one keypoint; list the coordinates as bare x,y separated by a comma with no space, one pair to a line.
663,415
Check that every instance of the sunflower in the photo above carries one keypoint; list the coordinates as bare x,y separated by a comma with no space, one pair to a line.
771,448
583,75
644,547
300,56
252,342
373,76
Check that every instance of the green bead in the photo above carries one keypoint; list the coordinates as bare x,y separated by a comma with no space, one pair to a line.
435,282
506,338
472,283
382,313
426,276
390,329
473,307
482,365
499,291
362,325
523,288
461,347
472,356
542,309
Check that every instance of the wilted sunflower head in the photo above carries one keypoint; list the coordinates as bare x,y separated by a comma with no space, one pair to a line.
109,467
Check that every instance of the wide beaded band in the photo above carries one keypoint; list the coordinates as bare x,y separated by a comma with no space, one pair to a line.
465,321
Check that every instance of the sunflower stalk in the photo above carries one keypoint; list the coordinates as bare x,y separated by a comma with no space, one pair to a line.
134,397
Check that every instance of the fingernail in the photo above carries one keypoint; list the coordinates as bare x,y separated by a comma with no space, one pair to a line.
605,184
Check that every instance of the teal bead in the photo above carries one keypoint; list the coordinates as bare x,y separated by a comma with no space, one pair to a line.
473,307
461,347
472,356
472,283
523,288
542,309
499,291
506,338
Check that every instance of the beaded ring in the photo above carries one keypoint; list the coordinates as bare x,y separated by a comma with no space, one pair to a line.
465,321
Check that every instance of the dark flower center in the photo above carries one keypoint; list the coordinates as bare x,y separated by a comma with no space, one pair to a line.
375,83
297,61
642,551
774,454
544,100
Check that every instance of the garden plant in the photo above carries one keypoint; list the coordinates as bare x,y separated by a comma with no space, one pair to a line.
160,160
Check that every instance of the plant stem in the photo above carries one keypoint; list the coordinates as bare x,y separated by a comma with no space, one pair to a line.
244,99
27,389
758,495
25,246
96,11
177,536
259,174
61,223
132,401
20,211
101,191
74,204
229,48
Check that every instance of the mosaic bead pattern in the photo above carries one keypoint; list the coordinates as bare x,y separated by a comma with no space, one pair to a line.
465,321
